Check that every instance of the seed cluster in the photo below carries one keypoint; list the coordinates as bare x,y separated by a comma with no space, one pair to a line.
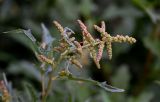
3,90
109,39
73,50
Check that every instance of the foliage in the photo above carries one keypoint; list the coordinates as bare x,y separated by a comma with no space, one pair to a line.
134,68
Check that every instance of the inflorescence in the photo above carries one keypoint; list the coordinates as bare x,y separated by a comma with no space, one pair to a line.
4,91
73,49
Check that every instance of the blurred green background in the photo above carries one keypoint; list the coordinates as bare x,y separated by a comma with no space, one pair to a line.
135,68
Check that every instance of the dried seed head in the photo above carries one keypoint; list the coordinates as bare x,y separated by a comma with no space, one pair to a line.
109,50
109,39
5,94
100,51
85,32
120,38
88,42
83,27
114,39
59,27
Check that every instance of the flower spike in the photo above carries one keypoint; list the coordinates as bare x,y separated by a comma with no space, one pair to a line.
71,48
85,32
109,39
59,27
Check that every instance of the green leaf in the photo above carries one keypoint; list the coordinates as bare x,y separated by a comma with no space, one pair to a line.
31,92
25,68
6,56
148,7
83,93
65,10
143,97
70,98
35,46
153,45
30,36
46,36
86,7
157,82
19,35
105,97
103,85
128,15
122,77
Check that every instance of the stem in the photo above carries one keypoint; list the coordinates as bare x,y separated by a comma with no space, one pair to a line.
96,43
48,88
43,86
45,92
49,85
43,80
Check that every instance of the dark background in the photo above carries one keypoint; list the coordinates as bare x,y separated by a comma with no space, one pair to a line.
135,68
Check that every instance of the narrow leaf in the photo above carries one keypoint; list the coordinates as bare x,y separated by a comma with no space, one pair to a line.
20,35
32,94
46,37
109,87
103,85
29,34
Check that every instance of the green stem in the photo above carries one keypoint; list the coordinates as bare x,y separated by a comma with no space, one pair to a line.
43,85
49,85
54,68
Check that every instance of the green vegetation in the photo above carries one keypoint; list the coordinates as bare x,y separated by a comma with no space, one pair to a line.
70,61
